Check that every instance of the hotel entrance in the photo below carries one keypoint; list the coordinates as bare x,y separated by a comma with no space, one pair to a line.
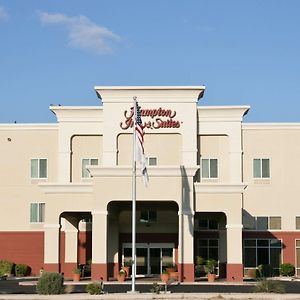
151,258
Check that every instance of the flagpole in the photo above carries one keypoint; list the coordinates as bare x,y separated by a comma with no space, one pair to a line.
134,203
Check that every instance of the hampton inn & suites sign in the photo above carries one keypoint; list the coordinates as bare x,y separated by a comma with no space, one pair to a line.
159,118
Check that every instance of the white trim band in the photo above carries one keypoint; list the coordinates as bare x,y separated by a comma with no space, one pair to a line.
52,226
234,226
100,212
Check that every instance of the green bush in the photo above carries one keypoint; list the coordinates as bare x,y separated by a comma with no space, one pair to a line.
265,271
6,267
21,270
155,289
94,288
269,286
50,284
287,269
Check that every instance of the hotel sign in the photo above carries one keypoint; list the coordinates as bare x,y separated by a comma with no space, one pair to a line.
159,118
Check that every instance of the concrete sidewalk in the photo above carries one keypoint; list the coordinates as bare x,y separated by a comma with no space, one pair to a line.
128,296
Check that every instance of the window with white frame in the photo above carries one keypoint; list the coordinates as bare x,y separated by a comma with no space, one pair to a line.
87,162
37,212
263,223
151,161
262,251
298,224
209,168
268,223
261,168
38,168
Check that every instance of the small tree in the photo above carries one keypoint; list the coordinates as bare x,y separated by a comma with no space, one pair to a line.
210,266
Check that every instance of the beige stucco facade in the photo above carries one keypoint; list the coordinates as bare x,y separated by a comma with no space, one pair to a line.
89,217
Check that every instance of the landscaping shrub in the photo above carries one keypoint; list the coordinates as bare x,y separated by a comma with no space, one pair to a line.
265,271
94,288
155,289
269,286
21,270
50,284
287,269
6,267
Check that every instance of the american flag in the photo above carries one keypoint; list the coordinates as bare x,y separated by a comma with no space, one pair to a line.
139,133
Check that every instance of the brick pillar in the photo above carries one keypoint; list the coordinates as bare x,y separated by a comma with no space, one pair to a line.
99,245
234,252
186,246
51,247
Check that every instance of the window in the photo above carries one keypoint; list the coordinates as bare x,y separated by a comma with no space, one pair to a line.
151,161
38,168
262,251
148,216
261,168
298,224
297,258
275,223
209,168
268,223
208,248
208,224
37,212
87,162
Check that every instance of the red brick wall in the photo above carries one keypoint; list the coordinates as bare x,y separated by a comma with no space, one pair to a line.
84,246
62,267
23,247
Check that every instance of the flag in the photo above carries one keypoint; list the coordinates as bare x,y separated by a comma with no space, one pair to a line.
139,139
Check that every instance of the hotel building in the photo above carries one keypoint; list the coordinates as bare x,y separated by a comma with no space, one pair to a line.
218,188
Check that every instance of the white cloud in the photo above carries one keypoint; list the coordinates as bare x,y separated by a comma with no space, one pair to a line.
82,32
3,14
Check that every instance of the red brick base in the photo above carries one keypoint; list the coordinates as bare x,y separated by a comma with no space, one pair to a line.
67,269
99,271
235,272
186,272
51,267
23,247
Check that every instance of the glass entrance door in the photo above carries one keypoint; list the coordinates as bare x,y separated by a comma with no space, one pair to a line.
141,261
150,258
155,261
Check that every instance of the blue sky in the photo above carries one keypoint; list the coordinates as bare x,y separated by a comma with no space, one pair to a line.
56,51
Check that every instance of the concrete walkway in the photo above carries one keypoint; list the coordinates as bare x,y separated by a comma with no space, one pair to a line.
128,296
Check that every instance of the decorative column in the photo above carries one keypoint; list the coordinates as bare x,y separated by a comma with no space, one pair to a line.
113,245
71,247
51,247
186,246
234,252
64,154
99,245
64,166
